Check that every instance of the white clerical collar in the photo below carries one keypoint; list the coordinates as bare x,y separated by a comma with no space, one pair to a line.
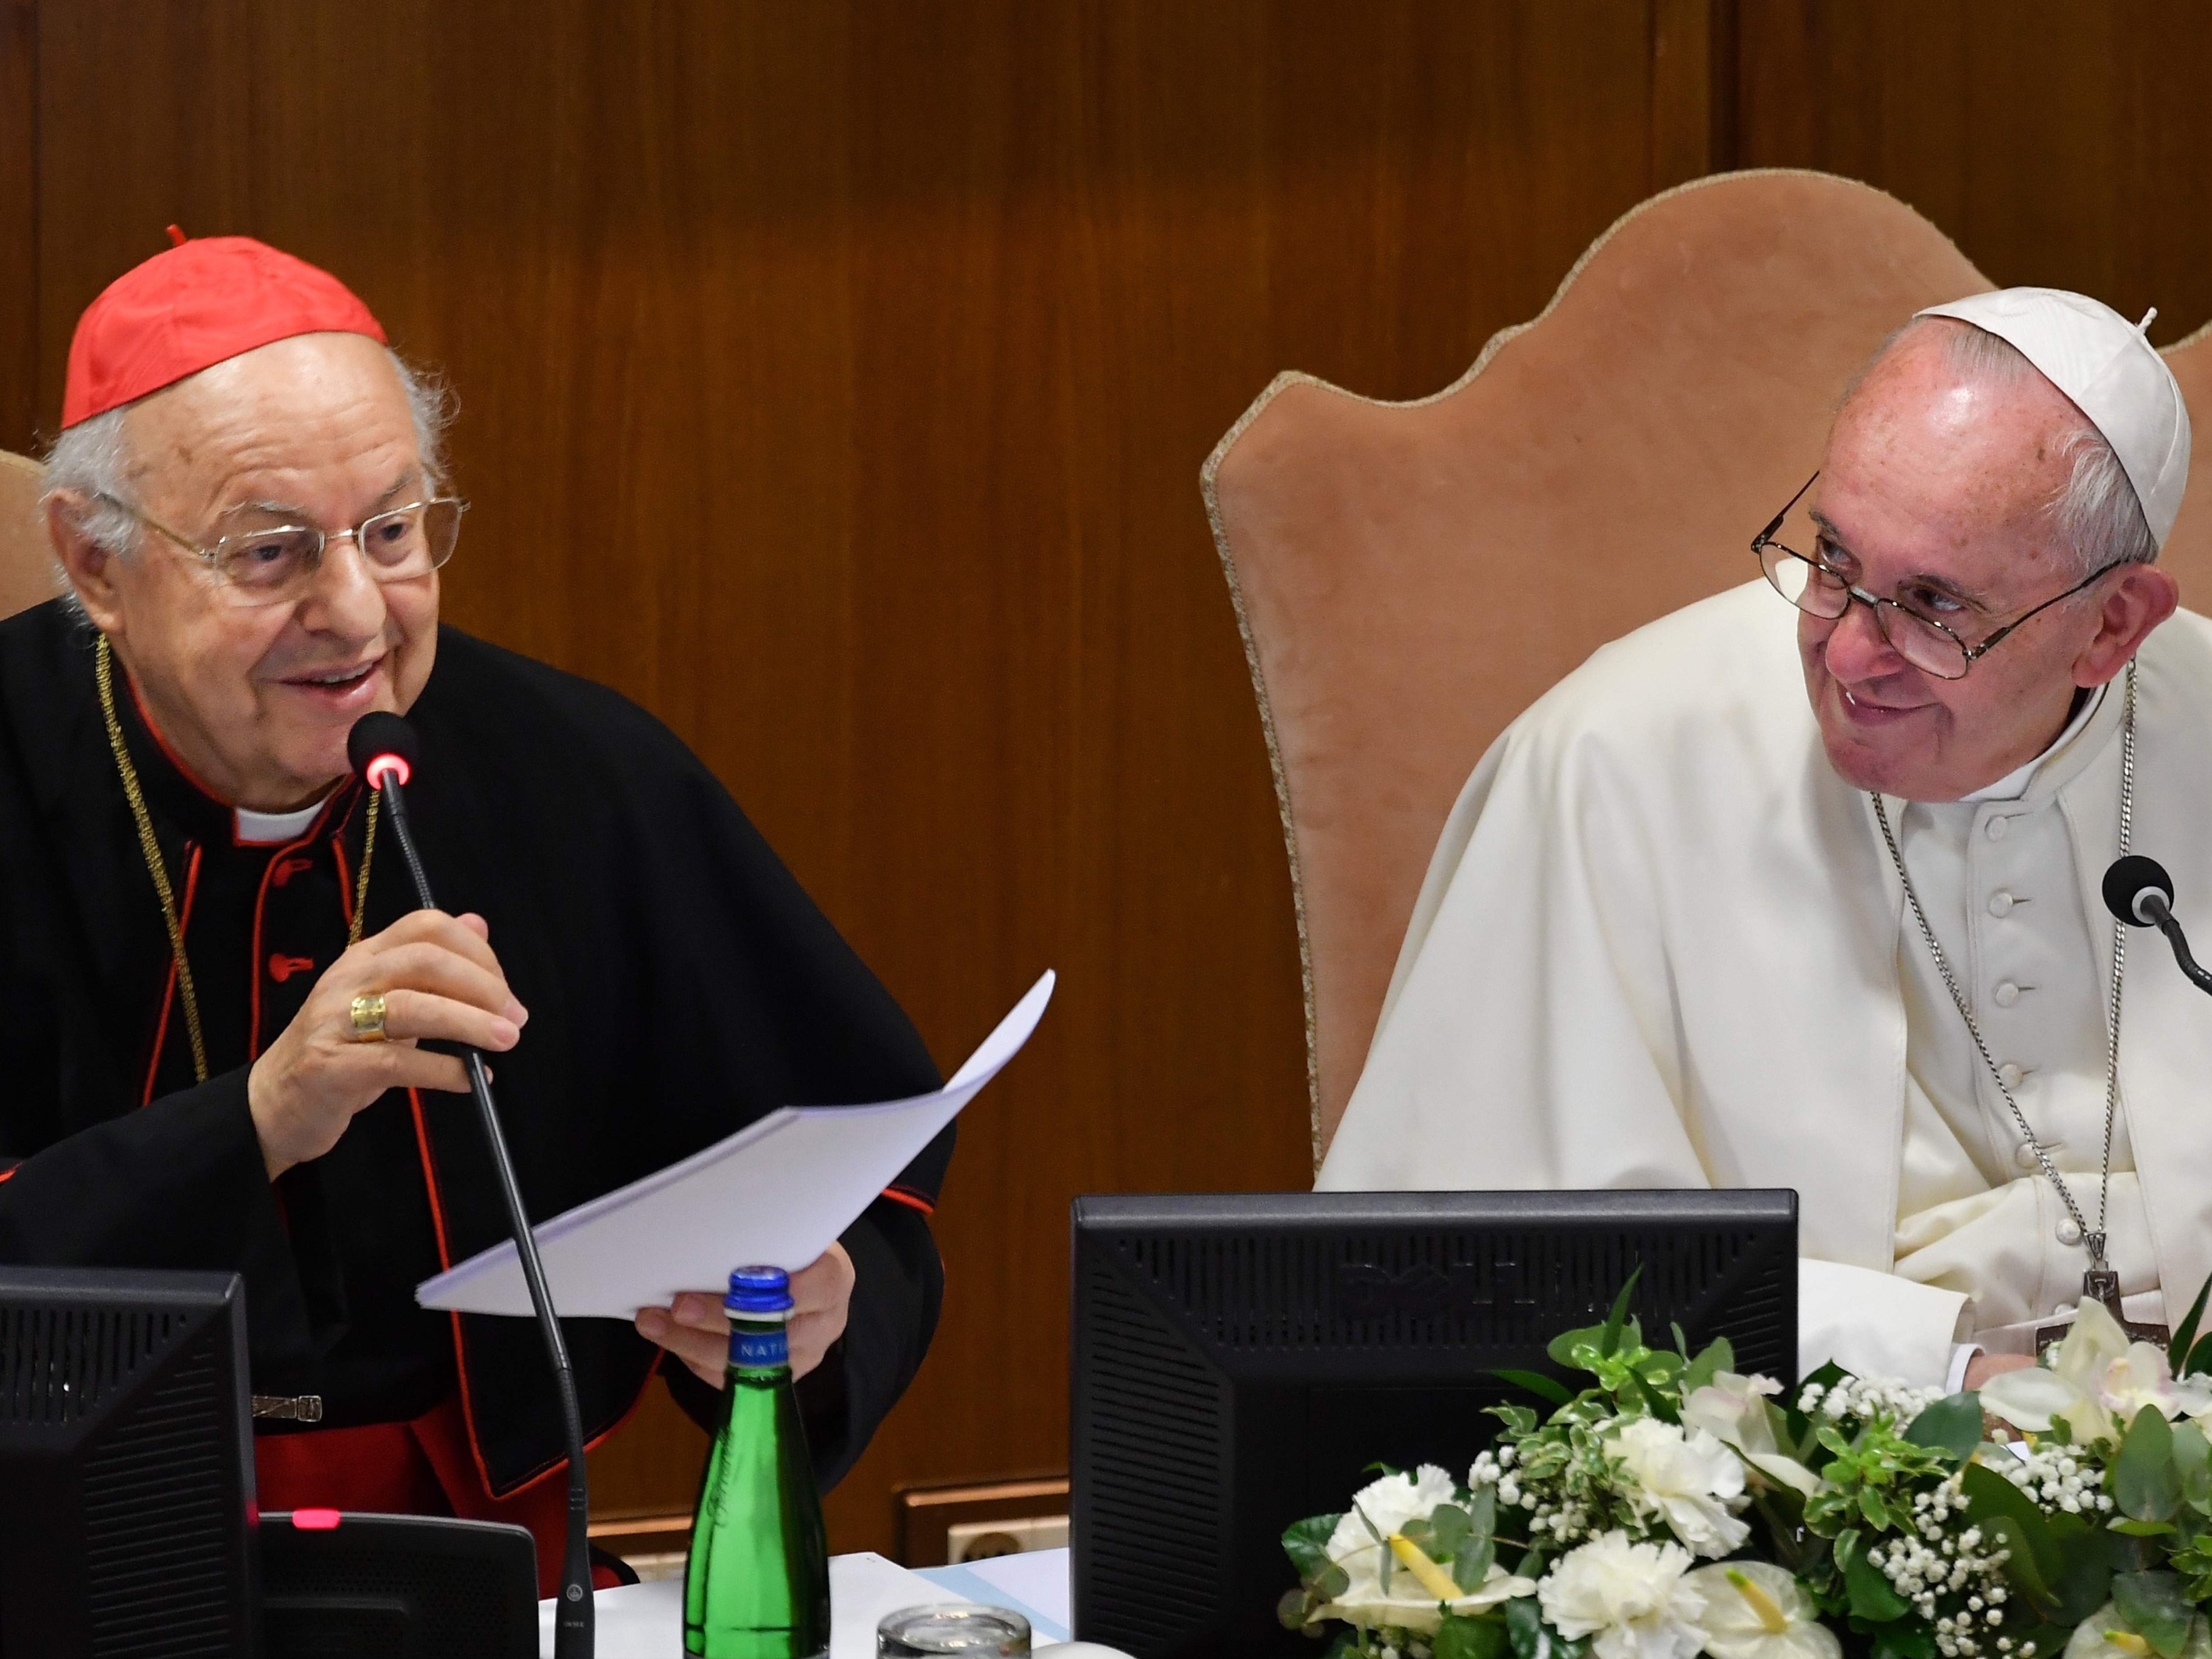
264,829
2014,783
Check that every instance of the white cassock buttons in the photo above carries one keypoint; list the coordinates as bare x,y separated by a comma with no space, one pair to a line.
2010,1075
2000,904
2024,1155
2068,1233
1995,832
2007,994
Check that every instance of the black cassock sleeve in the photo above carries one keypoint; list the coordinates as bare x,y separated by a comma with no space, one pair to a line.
178,1184
897,1289
740,997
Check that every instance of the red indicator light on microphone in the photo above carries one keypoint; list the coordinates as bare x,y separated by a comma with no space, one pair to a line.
387,766
315,1520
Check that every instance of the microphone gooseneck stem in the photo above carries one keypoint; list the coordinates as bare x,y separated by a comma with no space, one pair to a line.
572,1620
2179,940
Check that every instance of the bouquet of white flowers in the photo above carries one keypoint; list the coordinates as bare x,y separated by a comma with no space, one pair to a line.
2074,1518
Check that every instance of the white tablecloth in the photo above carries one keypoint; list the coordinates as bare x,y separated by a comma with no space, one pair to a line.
646,1622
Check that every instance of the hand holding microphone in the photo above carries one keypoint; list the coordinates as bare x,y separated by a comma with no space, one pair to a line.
2139,891
439,979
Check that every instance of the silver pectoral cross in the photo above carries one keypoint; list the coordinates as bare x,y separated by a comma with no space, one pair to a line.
2101,1283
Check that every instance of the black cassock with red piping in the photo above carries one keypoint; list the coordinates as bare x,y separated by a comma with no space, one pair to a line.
680,985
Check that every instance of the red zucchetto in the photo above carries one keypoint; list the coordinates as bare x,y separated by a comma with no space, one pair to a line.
193,306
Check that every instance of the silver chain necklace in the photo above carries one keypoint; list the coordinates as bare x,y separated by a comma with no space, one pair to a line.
2100,1283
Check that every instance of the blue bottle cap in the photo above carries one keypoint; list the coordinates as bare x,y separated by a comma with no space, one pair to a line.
759,1291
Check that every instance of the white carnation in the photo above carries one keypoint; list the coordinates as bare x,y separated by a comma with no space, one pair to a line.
1392,1503
1692,1481
1633,1599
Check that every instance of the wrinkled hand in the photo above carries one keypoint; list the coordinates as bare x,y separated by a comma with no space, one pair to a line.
439,979
1981,1367
696,1330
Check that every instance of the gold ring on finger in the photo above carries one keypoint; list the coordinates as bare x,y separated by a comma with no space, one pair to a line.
368,1018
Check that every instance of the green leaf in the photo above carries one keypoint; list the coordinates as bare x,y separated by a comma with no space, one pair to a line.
1911,1640
1953,1425
1518,1419
1532,1638
2192,1459
1871,1506
1459,1637
1471,1563
1991,1499
1292,1610
2146,1483
2154,1607
1681,1342
1306,1542
2200,1358
1871,1596
1441,1536
2145,1529
1616,1321
1715,1357
2084,1579
2176,1352
1562,1347
1537,1383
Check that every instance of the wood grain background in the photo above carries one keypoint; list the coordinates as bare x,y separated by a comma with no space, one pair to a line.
834,380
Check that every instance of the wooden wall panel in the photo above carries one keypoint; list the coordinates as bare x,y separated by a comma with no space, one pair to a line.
2058,144
19,222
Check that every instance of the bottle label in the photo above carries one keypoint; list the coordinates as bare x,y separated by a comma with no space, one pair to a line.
759,1350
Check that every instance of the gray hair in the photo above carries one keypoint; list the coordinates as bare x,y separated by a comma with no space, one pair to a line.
93,458
2097,510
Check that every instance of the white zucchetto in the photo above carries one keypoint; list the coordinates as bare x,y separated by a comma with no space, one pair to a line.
2115,376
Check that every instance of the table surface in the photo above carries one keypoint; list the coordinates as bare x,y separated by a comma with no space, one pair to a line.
646,1622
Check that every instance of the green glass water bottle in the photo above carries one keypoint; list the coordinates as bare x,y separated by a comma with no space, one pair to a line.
757,1585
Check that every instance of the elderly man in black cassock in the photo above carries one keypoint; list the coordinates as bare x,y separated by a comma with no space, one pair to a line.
220,999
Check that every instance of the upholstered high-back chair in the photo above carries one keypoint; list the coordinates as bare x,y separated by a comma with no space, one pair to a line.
1408,577
27,566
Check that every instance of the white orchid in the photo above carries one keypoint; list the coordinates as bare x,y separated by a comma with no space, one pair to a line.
1634,1601
1420,1591
2097,1380
1733,1409
1689,1479
2105,1635
1756,1610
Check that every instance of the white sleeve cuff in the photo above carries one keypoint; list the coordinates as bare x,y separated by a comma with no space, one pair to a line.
1875,1324
1961,1357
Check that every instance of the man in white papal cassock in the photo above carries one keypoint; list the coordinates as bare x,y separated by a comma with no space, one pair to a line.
1760,897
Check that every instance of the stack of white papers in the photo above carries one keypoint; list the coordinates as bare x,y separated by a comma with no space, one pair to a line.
777,1193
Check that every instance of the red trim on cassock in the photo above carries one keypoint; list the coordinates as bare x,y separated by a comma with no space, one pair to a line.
8,1173
912,1199
461,1368
276,856
130,685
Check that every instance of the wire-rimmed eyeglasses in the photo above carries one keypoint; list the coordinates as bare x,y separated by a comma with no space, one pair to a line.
1817,589
272,564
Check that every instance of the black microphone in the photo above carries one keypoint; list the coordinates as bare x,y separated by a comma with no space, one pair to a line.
2140,892
384,750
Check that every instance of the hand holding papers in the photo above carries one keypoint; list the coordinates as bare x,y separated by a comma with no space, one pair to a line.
778,1193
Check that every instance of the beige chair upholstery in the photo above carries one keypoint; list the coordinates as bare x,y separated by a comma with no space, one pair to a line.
1409,576
27,566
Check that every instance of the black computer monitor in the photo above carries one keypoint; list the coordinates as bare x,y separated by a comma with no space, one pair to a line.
126,1465
1240,1359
